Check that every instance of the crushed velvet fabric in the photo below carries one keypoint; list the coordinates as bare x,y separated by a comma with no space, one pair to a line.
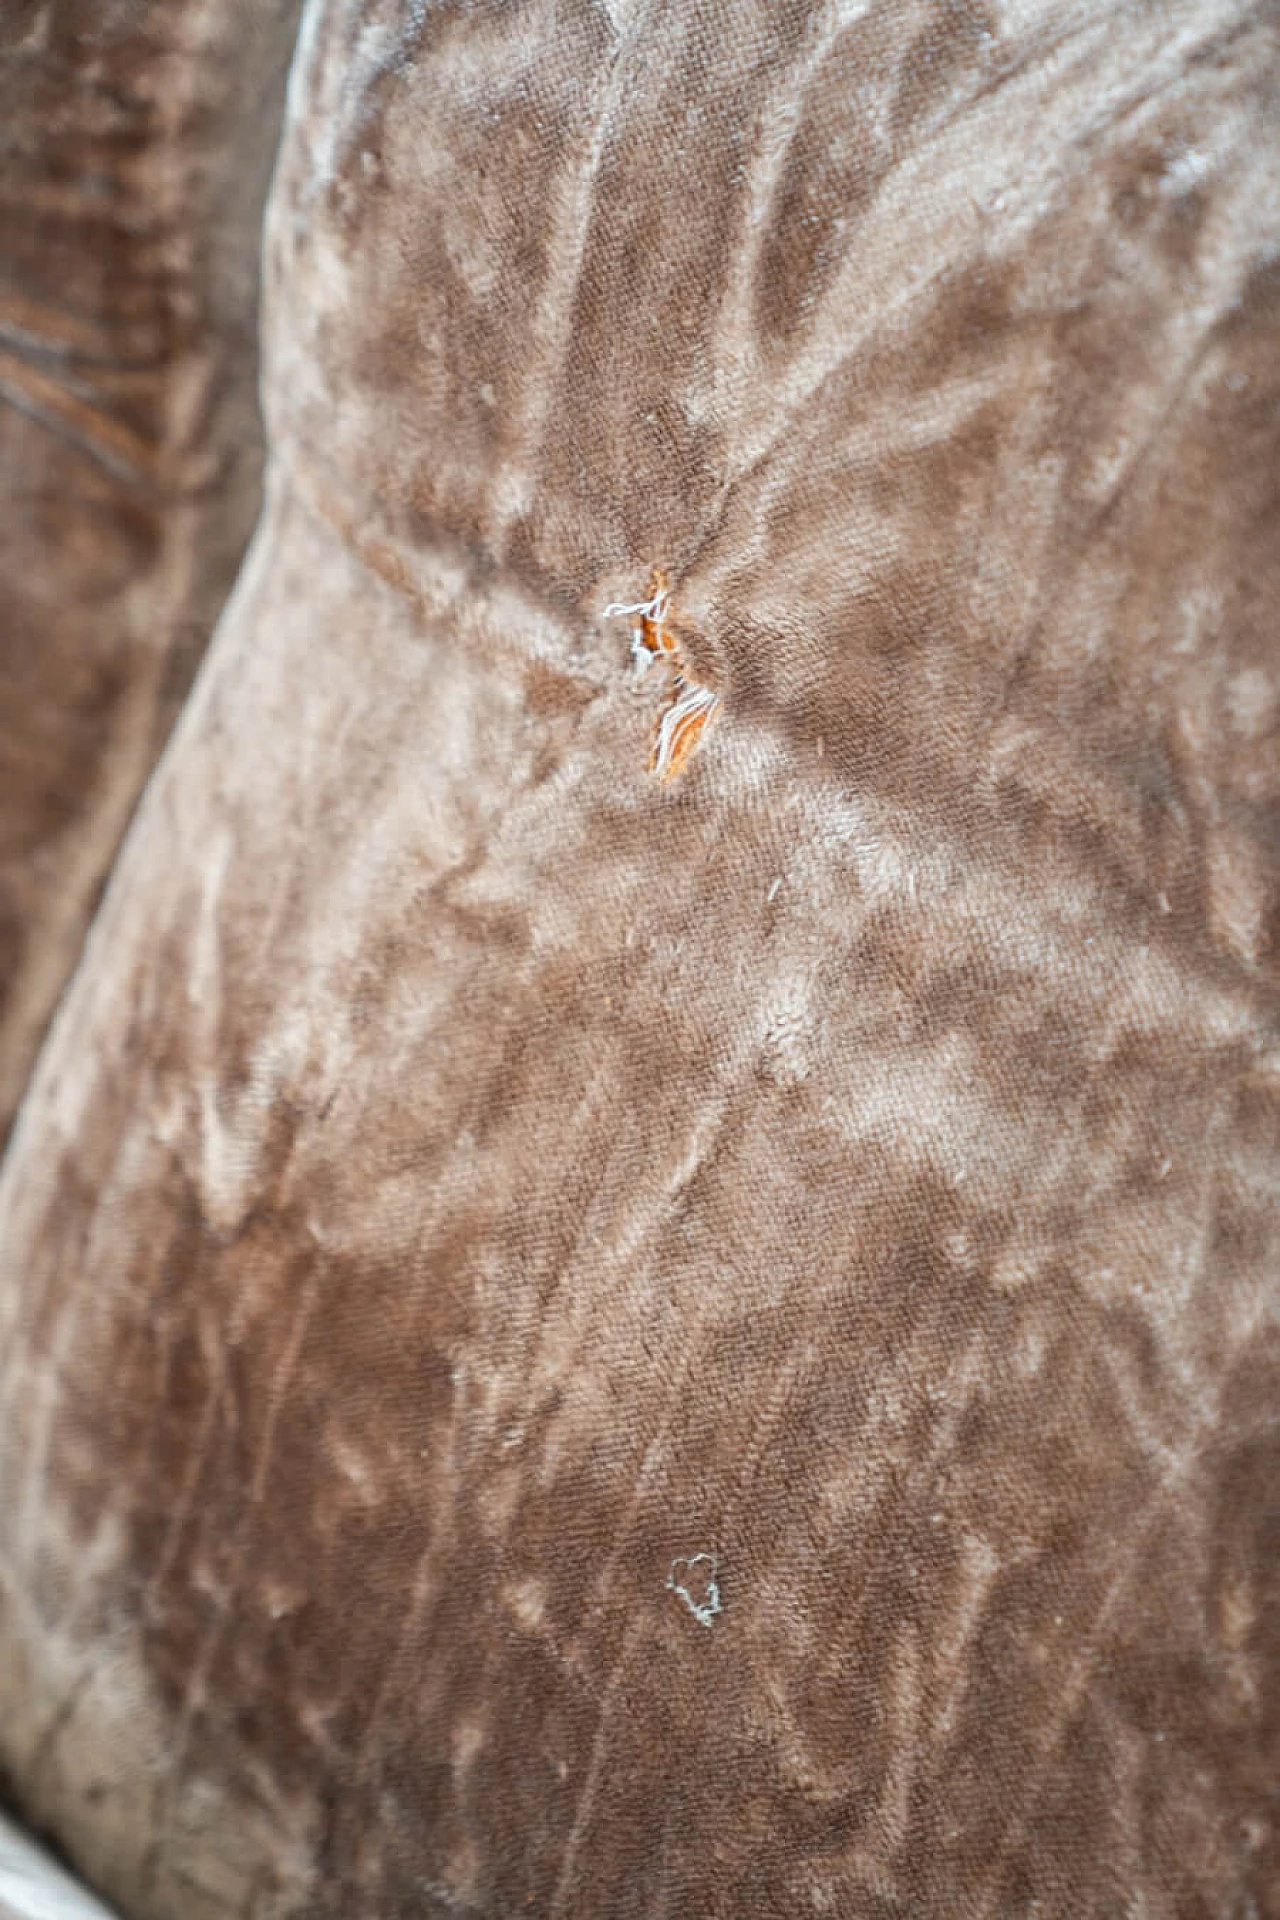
135,141
591,1348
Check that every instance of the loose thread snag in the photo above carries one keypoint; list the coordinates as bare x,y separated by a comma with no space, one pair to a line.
691,706
696,1582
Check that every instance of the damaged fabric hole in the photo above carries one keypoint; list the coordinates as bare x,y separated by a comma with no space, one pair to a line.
691,705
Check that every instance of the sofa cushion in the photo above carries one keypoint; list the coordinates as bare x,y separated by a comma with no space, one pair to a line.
135,143
587,1345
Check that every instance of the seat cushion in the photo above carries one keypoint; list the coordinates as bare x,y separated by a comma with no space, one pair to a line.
587,1344
135,144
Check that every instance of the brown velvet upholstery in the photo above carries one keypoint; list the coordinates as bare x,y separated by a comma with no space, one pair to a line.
135,142
586,1348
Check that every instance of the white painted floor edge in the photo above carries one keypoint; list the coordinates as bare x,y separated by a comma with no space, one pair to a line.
33,1887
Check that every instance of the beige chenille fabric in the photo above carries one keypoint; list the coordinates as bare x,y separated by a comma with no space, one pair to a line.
588,1346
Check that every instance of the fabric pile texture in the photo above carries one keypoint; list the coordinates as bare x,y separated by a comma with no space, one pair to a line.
640,1270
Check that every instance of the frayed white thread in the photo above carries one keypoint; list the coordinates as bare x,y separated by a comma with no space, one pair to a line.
656,608
642,655
693,705
704,1610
